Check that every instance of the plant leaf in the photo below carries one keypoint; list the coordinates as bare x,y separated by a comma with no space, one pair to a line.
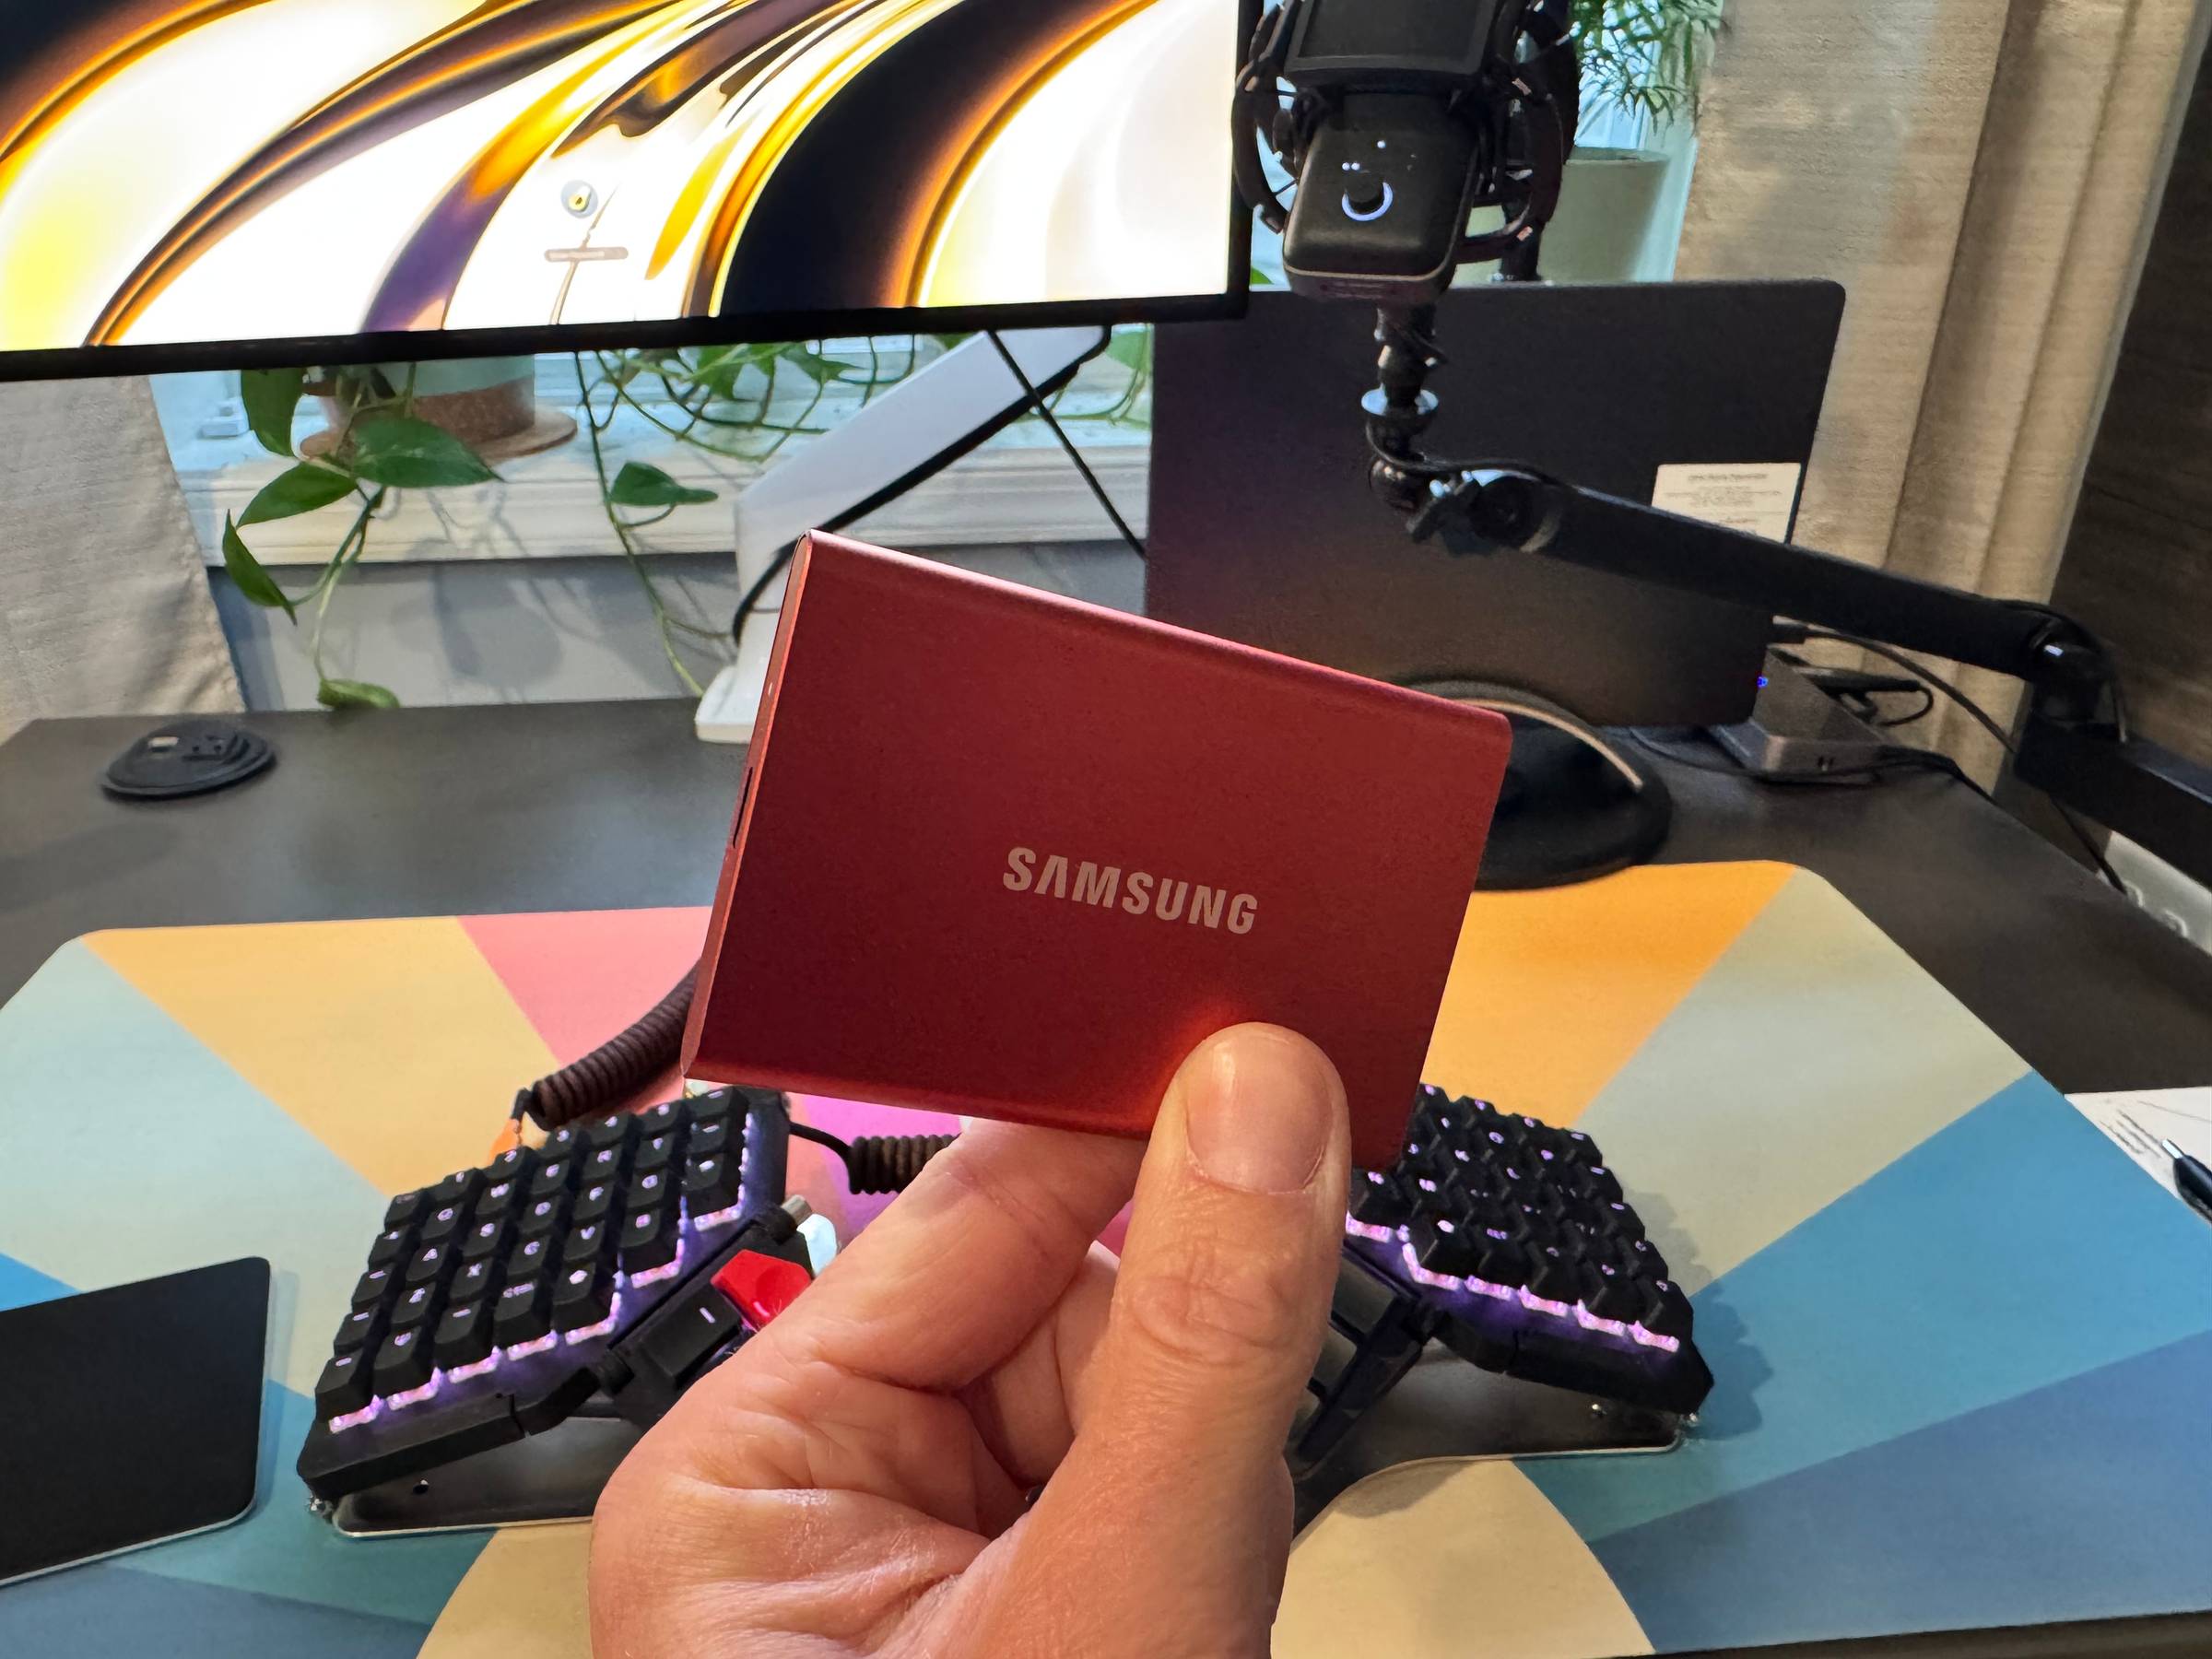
809,362
1260,279
638,485
354,694
1133,350
302,490
410,453
254,582
270,396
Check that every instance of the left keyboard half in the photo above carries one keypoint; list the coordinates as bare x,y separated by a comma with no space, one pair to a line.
491,1303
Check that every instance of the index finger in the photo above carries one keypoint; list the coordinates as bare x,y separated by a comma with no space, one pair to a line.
963,1265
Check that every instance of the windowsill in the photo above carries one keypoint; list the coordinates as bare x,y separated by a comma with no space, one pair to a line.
1019,487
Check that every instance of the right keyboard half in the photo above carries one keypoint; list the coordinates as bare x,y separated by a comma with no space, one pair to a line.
1517,1239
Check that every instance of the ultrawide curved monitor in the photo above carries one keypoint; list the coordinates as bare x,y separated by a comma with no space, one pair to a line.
210,182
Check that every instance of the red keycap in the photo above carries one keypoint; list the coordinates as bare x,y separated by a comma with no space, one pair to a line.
761,1286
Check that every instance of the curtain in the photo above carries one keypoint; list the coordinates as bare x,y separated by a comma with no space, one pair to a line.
104,605
1981,176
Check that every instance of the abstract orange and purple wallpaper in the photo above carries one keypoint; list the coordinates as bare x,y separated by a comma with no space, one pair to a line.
178,170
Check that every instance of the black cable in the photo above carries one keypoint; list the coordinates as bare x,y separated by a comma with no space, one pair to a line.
822,1137
1038,404
879,1163
1988,723
618,1068
776,567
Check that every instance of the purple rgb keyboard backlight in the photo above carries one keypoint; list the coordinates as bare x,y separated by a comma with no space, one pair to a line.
1506,1293
551,1340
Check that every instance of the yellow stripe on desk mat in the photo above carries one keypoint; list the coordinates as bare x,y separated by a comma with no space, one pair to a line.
1496,1571
392,1042
1551,993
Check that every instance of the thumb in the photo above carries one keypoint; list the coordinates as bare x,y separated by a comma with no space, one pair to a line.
1175,1484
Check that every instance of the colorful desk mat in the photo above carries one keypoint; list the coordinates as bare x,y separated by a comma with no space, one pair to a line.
1963,1347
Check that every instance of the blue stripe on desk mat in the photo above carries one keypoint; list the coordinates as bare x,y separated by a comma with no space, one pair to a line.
109,1611
2090,1499
2030,1250
21,1285
282,1549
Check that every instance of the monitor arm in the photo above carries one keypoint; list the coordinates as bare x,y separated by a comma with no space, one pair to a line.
2074,745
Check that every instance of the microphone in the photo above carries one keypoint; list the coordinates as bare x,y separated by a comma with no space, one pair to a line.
1405,116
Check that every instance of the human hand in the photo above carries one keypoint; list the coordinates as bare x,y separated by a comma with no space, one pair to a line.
854,1479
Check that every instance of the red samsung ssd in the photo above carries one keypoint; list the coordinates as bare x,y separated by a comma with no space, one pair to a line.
1009,854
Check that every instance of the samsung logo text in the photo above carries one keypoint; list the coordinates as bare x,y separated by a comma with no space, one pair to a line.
1139,893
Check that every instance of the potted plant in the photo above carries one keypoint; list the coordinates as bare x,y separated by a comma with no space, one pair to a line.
1642,62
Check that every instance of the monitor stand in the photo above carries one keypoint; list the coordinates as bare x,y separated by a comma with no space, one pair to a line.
1577,802
915,429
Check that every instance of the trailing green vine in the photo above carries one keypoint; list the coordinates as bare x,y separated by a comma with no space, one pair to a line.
735,403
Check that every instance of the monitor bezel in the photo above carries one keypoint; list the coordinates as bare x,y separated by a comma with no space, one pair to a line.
424,345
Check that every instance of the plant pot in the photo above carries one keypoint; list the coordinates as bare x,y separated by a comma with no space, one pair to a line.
489,403
1608,211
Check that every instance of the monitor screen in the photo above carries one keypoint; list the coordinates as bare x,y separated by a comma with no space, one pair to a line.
187,182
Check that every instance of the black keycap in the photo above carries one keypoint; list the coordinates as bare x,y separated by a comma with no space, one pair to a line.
464,1335
1609,1293
588,1242
433,1265
1500,1260
417,1305
1616,1220
604,1163
514,1164
488,1236
1596,1180
1665,1310
710,1182
1642,1258
648,1242
1573,1242
594,1203
1441,1246
1551,1276
652,1187
532,1256
1578,1147
442,1223
403,1362
561,1143
583,1294
542,1215
518,1312
343,1388
554,1175
1378,1199
373,1287
612,1130
500,1199
1481,1211
686,1335
458,1188
658,1151
715,1108
475,1281
392,1245
359,1330
661,1119
709,1137
405,1208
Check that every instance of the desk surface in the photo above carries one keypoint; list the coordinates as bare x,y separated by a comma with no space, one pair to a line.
600,807
614,805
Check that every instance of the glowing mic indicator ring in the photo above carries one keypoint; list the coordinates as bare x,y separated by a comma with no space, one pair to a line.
1368,199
